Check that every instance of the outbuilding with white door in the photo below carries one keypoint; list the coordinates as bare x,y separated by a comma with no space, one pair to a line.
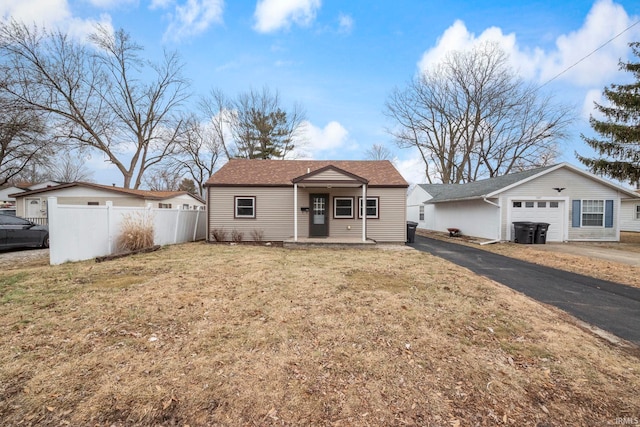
577,205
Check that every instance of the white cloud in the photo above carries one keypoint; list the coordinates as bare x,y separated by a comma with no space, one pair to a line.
110,4
45,12
411,169
604,21
160,4
272,15
192,17
318,140
51,14
345,23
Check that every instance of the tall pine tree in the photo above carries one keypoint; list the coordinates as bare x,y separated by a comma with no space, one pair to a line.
619,143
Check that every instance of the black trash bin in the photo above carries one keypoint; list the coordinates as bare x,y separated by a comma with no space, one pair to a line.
411,231
524,232
541,233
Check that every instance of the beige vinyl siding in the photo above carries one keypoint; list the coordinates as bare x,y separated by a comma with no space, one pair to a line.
329,175
391,226
576,186
274,211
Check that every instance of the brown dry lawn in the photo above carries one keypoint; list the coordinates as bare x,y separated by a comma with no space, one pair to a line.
201,334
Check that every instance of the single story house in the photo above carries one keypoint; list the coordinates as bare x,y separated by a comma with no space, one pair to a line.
7,191
32,204
289,200
630,214
577,204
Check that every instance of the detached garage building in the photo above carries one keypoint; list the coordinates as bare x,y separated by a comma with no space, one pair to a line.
577,204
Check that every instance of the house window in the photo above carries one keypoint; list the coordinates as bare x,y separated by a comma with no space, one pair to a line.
185,207
421,213
517,204
637,211
343,207
164,205
593,213
245,207
93,203
372,207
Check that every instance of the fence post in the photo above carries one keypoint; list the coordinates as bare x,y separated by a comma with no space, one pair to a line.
195,227
52,215
175,231
109,205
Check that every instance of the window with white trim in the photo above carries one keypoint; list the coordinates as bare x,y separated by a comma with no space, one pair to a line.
422,213
637,211
343,207
164,205
593,213
372,207
245,207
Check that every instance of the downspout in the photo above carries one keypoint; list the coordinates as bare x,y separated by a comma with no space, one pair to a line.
295,212
497,205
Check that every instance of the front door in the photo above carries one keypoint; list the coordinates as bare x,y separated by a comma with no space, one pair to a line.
319,221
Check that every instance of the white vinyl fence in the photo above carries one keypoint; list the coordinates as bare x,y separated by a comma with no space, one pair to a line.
83,232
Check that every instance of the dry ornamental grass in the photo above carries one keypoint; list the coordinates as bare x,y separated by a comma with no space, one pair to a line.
199,334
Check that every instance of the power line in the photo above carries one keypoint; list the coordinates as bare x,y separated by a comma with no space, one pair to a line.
589,54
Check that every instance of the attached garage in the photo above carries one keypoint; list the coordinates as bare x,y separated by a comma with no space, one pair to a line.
550,211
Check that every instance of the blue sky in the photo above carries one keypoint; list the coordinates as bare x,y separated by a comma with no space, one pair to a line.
340,60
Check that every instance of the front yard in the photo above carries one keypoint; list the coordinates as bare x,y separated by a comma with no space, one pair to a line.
199,334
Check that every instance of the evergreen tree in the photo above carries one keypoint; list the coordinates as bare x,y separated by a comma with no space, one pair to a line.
619,144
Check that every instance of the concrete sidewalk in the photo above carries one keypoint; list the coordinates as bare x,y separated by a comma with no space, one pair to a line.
594,251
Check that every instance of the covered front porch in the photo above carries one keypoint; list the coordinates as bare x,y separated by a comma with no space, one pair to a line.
328,209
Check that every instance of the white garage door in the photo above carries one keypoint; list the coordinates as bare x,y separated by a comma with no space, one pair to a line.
549,211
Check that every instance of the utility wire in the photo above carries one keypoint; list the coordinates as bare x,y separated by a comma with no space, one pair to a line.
589,54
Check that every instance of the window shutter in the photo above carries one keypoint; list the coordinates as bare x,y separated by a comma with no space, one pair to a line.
575,214
608,213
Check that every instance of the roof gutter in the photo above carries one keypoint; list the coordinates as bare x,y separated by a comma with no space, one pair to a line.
484,198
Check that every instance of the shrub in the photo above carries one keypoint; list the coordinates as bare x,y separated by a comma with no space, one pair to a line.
218,234
136,232
257,235
237,236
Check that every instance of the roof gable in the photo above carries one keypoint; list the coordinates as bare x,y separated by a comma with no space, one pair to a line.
142,194
282,173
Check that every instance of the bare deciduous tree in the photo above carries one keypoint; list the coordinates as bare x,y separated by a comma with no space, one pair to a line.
161,179
22,140
69,167
472,117
103,95
378,152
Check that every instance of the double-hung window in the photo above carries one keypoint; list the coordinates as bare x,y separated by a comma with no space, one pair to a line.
245,207
637,211
372,207
421,212
593,213
343,207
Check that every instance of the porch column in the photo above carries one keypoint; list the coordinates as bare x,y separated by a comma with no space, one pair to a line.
295,212
364,212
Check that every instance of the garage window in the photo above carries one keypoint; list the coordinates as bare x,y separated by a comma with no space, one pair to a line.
517,204
528,204
553,204
592,213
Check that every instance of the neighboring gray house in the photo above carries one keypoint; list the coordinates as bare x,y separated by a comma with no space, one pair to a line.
577,204
630,214
289,200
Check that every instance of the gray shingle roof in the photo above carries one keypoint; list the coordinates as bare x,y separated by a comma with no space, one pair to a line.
477,189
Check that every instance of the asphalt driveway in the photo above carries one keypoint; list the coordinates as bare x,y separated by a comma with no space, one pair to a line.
610,306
